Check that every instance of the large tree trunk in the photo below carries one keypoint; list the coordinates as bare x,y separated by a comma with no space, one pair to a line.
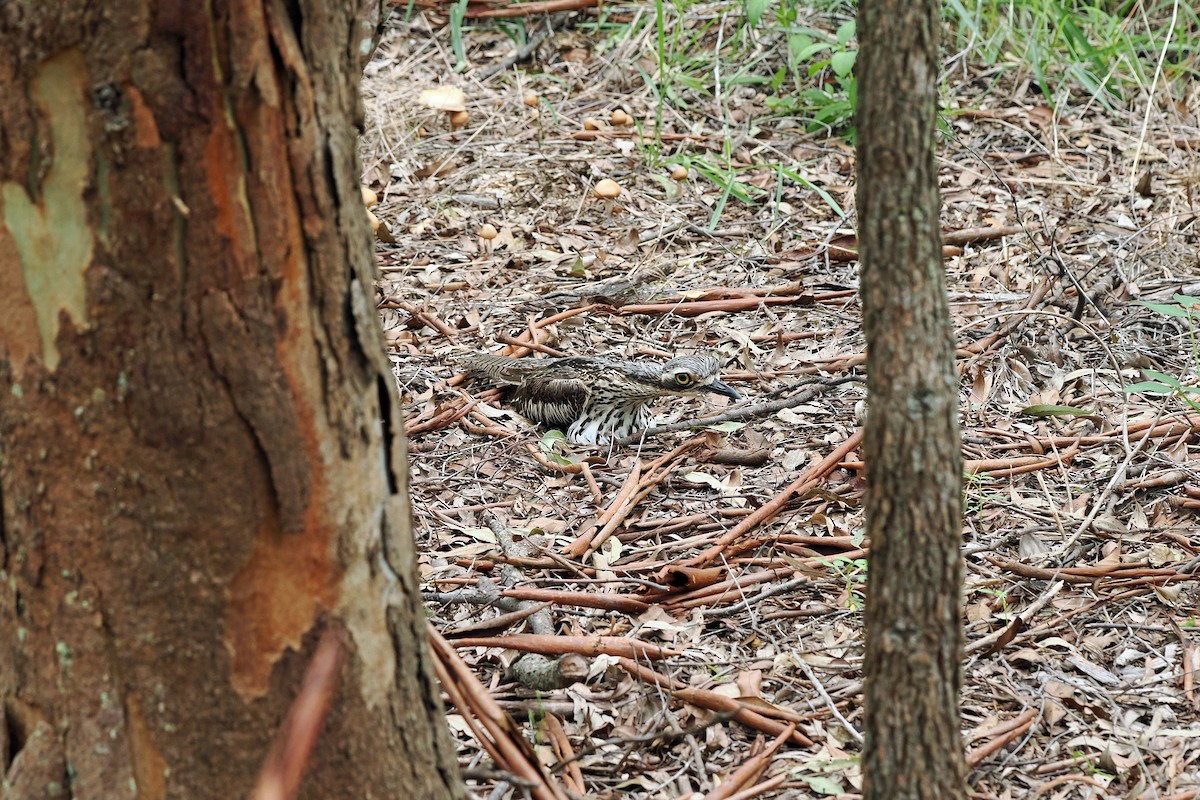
912,668
197,466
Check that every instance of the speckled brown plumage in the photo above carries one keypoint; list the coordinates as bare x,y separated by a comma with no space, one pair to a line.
595,399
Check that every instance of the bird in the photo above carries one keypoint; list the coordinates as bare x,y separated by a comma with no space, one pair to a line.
596,399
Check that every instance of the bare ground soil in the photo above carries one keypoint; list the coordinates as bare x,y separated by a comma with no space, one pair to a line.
1081,535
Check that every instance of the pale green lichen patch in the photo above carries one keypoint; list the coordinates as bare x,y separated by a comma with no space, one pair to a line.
52,236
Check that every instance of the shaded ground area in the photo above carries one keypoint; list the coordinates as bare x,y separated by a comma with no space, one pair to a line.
734,554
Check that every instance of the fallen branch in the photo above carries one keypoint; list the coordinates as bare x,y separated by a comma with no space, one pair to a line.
808,479
489,724
745,412
279,778
555,644
750,716
749,772
1004,734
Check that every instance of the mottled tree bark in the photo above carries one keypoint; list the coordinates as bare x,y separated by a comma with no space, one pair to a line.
913,669
198,475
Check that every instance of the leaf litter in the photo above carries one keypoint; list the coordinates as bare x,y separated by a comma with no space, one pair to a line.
716,599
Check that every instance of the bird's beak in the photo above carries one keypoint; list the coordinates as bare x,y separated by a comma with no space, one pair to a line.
720,387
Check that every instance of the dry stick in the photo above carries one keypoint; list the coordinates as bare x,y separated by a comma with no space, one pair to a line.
501,622
469,696
565,754
1101,500
739,711
829,703
981,346
279,777
427,317
748,772
459,700
760,788
780,290
593,487
554,644
985,234
608,602
1006,733
447,417
571,469
693,308
1189,424
528,340
759,409
631,481
987,642
609,517
713,592
808,478
541,348
656,474
1007,467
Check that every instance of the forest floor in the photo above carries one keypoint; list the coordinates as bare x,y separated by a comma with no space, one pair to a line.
1081,533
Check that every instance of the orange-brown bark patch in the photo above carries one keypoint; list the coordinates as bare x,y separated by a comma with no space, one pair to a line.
275,600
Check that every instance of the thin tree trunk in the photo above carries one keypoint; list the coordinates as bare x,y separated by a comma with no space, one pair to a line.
198,475
912,668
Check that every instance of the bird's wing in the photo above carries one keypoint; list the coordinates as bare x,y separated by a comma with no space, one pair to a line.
556,398
501,369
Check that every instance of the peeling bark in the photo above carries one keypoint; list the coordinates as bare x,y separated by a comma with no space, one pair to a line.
199,473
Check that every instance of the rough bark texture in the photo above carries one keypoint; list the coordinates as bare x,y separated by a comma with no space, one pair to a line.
914,632
197,471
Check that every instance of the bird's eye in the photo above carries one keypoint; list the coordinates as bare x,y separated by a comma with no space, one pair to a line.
683,379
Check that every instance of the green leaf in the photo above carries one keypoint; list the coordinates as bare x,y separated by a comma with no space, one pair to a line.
755,10
821,784
1152,387
845,32
1056,411
808,52
843,62
1185,300
1168,310
728,426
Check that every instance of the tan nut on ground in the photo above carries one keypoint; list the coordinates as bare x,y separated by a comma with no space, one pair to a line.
619,117
679,173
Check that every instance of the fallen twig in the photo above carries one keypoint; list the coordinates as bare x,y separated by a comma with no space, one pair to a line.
556,644
750,716
279,778
748,772
490,725
1003,734
808,479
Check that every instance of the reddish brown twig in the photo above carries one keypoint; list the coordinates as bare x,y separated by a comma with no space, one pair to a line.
808,479
561,745
490,725
608,602
750,716
690,308
447,416
279,778
749,772
583,645
1001,735
1006,467
760,788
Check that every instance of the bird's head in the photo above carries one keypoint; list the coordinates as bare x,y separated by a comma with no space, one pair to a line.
695,374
